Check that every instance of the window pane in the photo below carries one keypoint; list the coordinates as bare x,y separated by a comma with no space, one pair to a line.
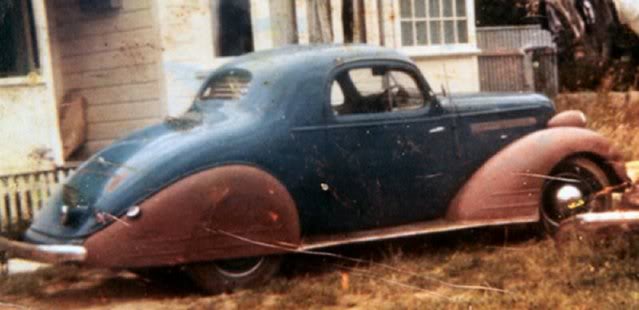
18,49
461,8
337,95
422,33
462,31
405,94
365,82
449,31
433,8
404,7
448,8
420,8
407,34
435,32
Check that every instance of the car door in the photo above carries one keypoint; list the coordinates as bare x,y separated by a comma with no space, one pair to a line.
389,148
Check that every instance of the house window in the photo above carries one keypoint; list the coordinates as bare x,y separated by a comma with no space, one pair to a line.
433,22
234,30
18,49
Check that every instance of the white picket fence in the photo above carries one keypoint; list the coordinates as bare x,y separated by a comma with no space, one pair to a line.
22,195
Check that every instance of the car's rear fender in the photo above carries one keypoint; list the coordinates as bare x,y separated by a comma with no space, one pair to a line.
199,218
509,185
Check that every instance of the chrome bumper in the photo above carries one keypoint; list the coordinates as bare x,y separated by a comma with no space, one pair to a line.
52,254
624,219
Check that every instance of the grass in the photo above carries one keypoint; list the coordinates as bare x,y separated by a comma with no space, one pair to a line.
417,273
615,115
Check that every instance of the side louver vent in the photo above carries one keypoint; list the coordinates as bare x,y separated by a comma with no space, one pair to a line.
231,86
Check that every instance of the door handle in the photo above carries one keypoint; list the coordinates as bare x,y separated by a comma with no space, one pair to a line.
437,129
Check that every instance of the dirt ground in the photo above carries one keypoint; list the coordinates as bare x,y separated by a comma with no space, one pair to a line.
476,269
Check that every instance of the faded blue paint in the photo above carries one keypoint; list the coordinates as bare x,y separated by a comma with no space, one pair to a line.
347,173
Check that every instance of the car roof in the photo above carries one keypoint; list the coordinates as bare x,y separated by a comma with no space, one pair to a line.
311,57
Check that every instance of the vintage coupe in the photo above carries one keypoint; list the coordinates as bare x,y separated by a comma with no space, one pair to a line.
302,148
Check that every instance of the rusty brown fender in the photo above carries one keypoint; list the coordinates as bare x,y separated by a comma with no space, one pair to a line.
509,184
191,221
570,118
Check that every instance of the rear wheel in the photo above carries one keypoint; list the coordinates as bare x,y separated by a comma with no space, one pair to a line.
227,275
572,190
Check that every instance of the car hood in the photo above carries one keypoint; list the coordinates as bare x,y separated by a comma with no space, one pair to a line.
134,168
493,102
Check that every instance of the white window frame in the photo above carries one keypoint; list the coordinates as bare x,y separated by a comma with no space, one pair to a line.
441,49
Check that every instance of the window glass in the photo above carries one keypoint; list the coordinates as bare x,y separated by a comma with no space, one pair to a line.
337,95
420,8
376,90
462,31
407,33
460,6
436,32
433,8
422,33
448,8
449,32
235,33
404,6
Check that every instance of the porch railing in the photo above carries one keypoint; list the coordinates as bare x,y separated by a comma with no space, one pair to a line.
22,195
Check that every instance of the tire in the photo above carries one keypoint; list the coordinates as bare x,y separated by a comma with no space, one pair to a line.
591,179
161,275
228,275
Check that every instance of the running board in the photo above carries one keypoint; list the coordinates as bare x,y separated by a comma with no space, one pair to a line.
409,230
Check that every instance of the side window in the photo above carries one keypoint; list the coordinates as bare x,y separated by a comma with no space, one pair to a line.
375,90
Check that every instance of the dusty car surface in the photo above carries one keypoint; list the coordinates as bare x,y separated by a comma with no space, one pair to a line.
309,147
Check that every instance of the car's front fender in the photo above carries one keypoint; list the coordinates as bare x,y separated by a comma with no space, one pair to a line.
509,184
225,212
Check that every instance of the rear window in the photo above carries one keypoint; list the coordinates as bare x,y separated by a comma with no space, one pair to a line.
231,85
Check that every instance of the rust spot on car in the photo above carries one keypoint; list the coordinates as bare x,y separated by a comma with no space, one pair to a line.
274,216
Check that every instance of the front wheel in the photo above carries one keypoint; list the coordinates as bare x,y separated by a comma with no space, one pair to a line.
572,190
227,275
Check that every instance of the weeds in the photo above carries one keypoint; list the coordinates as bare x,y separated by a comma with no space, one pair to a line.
531,273
614,115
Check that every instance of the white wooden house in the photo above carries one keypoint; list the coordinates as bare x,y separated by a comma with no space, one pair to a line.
136,62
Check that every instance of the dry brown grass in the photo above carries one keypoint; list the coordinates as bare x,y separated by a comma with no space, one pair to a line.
615,115
596,275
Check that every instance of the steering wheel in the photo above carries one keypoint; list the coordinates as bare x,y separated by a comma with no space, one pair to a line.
391,92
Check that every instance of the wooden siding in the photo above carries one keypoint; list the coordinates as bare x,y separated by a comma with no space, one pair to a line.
111,57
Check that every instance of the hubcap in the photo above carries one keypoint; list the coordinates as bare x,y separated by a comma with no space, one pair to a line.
570,197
